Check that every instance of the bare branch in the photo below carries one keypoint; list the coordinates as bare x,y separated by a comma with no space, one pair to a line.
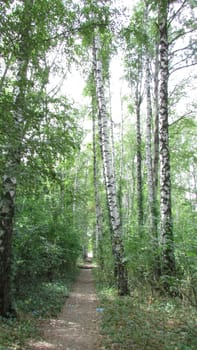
182,34
182,61
181,49
54,91
7,66
177,12
182,67
182,117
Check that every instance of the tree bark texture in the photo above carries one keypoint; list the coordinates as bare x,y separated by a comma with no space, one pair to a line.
99,215
6,230
151,161
149,145
140,210
120,192
117,243
167,240
156,123
13,157
157,267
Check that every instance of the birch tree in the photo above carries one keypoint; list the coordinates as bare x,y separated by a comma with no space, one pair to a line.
156,132
138,102
152,135
134,35
13,157
109,174
149,116
31,35
167,239
98,208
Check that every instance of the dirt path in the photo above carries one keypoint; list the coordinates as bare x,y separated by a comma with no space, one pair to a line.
77,327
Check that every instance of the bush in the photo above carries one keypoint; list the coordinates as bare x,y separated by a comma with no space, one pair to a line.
133,323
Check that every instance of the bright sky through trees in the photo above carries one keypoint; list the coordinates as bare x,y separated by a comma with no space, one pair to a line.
97,139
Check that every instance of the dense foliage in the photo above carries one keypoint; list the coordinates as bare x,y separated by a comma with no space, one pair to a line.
64,192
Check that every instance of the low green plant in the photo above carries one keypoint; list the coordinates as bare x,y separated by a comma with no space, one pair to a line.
44,301
39,301
14,332
133,323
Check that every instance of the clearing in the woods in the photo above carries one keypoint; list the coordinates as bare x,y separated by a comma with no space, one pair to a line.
77,327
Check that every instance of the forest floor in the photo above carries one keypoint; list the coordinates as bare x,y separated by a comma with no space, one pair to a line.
77,327
140,321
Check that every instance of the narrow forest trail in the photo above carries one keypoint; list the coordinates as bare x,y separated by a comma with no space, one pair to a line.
77,327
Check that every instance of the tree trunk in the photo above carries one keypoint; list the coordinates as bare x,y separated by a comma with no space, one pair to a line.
13,157
156,124
152,160
151,176
99,215
149,146
117,243
6,231
167,240
157,260
140,211
120,191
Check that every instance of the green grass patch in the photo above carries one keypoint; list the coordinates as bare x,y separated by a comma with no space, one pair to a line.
14,332
130,323
43,300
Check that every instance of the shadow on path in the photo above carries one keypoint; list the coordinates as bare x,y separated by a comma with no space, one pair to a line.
77,327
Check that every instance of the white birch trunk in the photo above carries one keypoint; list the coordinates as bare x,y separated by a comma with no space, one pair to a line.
156,123
149,145
140,211
152,156
167,240
98,208
9,181
117,243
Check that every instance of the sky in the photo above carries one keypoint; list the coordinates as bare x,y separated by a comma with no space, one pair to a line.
74,83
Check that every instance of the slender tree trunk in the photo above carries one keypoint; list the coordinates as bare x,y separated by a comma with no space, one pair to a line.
117,245
157,266
156,124
138,102
99,215
120,192
104,178
152,189
111,128
3,78
13,157
149,146
152,161
6,230
167,240
140,210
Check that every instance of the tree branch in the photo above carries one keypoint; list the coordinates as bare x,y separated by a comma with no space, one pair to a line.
180,118
181,49
182,34
7,66
78,29
182,61
182,67
176,13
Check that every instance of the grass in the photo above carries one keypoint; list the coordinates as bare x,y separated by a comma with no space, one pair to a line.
14,332
141,322
44,301
40,301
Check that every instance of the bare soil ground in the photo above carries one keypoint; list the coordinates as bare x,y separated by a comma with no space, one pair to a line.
77,327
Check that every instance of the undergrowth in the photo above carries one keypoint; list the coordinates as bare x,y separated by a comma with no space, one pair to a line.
141,322
44,301
36,302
